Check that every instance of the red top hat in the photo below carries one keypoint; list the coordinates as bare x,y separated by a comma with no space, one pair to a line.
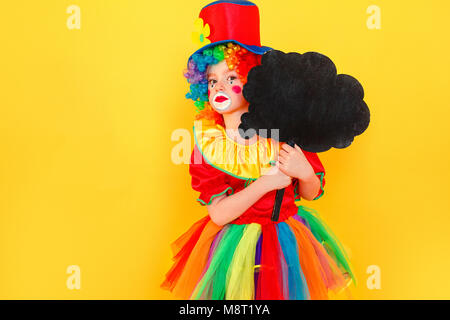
225,21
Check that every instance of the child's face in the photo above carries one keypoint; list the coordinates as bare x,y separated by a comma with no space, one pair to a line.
225,89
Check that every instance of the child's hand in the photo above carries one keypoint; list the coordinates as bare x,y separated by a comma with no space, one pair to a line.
274,179
294,163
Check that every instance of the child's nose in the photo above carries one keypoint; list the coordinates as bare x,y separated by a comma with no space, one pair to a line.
220,86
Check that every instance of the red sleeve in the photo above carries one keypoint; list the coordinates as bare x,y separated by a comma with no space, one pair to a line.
315,163
206,179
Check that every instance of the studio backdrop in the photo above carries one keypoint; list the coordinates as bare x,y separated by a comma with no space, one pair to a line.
96,135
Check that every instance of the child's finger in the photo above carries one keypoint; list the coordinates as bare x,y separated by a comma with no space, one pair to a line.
284,153
287,147
299,150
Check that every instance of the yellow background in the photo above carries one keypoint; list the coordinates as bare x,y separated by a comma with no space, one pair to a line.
86,118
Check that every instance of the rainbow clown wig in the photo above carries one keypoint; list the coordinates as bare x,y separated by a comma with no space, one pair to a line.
236,57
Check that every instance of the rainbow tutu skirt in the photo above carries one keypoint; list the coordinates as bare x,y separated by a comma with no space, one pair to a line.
296,259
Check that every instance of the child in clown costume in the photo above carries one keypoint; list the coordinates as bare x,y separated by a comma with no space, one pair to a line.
236,251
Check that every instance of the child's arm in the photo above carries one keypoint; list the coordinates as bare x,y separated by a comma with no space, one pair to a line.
225,209
301,165
309,187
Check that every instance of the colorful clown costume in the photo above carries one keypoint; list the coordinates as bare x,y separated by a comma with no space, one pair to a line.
252,257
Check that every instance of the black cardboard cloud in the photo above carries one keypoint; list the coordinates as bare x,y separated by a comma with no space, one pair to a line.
304,97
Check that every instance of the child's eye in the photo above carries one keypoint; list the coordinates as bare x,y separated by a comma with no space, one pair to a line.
212,82
231,79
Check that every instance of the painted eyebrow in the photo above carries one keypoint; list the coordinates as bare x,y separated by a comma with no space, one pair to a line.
213,74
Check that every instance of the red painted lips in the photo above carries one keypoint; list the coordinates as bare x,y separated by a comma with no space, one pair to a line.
221,99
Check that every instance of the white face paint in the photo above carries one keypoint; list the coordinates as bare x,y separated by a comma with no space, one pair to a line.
221,101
